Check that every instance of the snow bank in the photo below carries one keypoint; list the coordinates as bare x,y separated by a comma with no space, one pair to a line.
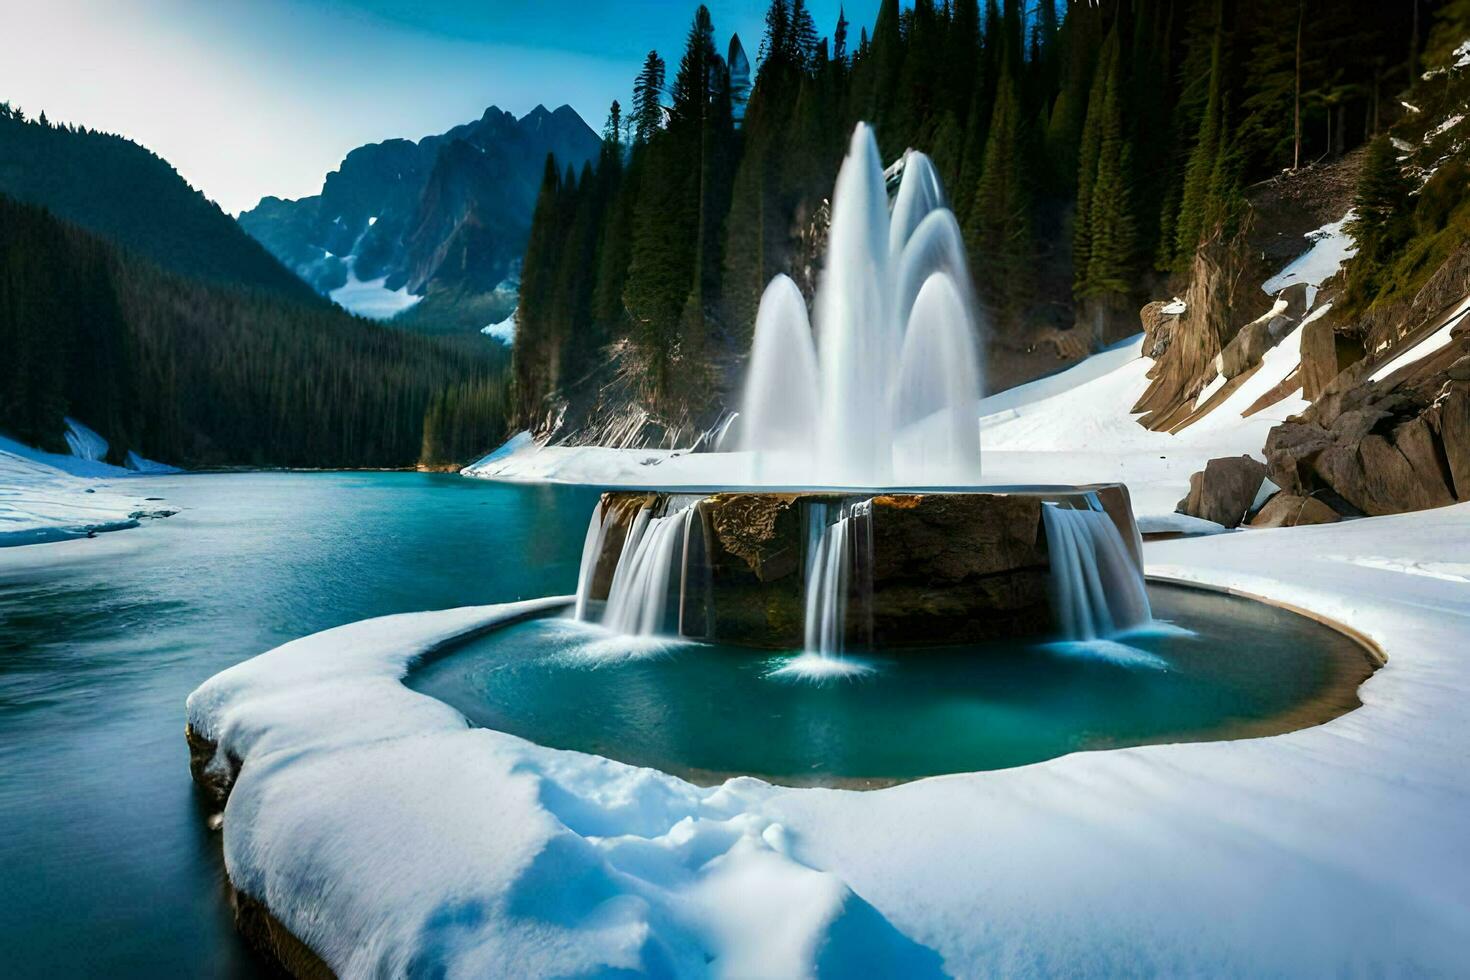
51,497
1331,247
394,839
85,443
40,503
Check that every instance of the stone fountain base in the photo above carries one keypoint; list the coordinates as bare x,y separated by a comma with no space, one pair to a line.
942,568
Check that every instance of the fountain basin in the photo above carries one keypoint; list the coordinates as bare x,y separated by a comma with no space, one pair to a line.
1228,668
931,568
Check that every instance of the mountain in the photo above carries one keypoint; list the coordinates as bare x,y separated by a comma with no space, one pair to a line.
123,192
431,231
200,372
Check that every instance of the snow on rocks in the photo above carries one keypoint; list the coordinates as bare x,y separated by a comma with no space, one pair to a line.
1331,246
392,838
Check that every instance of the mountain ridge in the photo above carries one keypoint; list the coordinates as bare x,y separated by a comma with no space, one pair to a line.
440,222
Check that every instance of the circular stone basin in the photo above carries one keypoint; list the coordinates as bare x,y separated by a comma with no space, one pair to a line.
1218,667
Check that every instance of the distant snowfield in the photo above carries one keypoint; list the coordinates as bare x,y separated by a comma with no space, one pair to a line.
1071,427
393,838
372,298
502,330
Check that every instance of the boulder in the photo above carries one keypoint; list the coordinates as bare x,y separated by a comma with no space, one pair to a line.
1295,297
1224,490
1290,510
1460,369
1248,346
1158,326
1453,424
1325,354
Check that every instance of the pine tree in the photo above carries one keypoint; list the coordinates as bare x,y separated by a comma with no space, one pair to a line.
1381,210
1190,226
1109,274
839,37
648,91
1000,230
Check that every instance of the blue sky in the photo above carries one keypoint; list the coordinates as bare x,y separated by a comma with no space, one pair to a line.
255,97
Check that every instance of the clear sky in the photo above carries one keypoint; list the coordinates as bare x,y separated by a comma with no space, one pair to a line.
255,97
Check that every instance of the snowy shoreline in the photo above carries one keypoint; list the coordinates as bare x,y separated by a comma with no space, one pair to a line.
48,497
385,833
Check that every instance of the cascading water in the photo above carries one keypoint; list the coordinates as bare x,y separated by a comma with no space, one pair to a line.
887,393
1098,589
638,600
835,550
591,551
829,575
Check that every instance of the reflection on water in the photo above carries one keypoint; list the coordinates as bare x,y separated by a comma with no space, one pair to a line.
105,865
1241,668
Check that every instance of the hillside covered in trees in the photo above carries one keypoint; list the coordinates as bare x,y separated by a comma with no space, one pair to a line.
199,372
112,186
1088,148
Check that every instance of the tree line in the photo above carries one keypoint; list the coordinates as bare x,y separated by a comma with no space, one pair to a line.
1088,148
195,372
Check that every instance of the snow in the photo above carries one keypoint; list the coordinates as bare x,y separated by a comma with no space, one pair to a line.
1331,246
1070,427
1175,307
1444,127
51,497
1435,341
139,464
371,298
393,839
85,443
504,331
40,502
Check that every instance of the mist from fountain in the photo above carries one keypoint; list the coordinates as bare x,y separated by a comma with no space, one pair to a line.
855,407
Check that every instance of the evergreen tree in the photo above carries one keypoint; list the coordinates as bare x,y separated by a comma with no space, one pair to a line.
1381,214
1108,277
1000,229
648,92
1190,226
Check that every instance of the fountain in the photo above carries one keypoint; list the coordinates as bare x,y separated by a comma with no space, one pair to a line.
883,393
886,394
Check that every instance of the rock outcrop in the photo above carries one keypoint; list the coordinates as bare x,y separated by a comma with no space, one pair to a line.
1290,510
1224,490
1397,444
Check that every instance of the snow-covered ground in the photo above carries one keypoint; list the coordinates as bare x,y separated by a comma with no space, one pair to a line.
50,497
393,838
1071,427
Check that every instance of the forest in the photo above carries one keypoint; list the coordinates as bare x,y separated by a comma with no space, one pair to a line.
203,373
1088,149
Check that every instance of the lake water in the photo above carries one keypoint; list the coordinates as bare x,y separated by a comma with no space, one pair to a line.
106,866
